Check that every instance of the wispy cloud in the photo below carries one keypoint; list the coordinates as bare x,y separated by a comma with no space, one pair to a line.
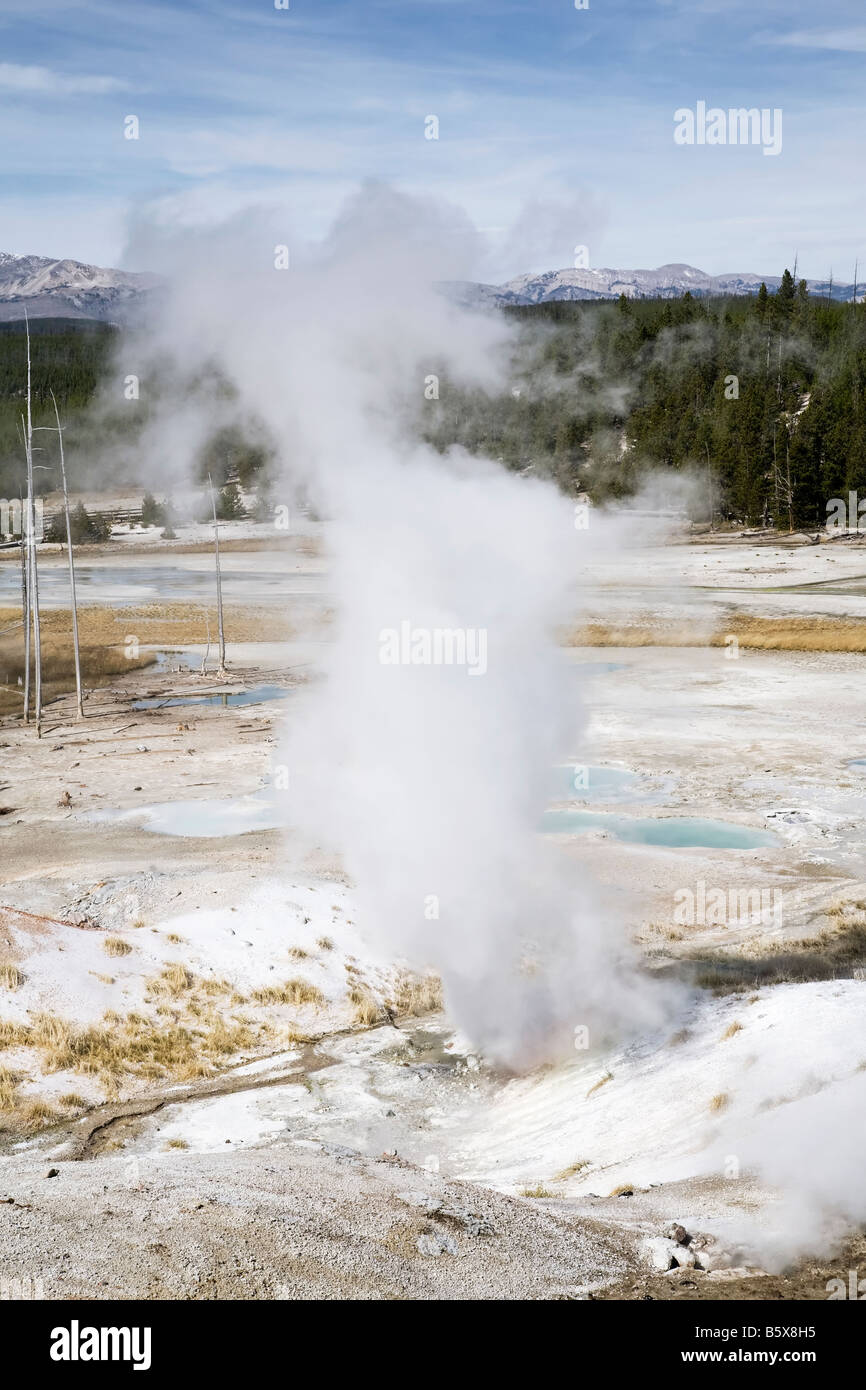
839,40
19,77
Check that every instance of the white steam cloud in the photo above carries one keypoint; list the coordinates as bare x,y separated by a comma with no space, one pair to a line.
429,780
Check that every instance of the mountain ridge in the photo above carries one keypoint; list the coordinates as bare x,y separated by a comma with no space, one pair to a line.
666,281
65,288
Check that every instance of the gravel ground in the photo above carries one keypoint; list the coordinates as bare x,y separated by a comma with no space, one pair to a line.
304,1223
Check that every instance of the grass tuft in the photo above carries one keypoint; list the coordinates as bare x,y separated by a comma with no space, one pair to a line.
73,1101
9,1083
572,1170
293,991
417,995
171,983
608,1076
365,1010
116,946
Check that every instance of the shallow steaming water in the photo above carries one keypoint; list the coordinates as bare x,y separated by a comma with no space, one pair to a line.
680,832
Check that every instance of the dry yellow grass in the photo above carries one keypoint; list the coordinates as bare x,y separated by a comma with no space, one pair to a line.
9,1082
116,946
171,983
170,624
10,976
104,630
732,1030
806,634
608,1076
325,943
130,1044
572,1170
625,1189
298,953
215,987
177,1144
538,1191
46,1031
662,929
721,1101
365,1009
417,994
294,991
99,664
296,1037
35,1114
836,952
809,634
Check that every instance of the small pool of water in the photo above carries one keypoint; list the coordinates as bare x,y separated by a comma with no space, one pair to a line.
259,695
177,661
206,818
576,782
859,763
678,832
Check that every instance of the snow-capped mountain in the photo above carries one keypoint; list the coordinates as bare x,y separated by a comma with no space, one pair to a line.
71,289
67,289
668,281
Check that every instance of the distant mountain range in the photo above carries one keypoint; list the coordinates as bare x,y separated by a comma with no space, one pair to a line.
667,282
70,289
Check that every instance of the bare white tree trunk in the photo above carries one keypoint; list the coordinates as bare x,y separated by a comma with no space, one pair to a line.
33,588
219,583
31,541
25,609
204,659
78,691
710,497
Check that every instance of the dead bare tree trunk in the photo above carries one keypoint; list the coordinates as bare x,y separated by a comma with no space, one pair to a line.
777,502
710,498
789,491
204,659
219,583
33,586
31,540
78,692
25,610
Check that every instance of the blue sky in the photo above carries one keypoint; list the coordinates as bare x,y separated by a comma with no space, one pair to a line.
555,124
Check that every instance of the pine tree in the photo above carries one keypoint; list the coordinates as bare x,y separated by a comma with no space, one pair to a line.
785,295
